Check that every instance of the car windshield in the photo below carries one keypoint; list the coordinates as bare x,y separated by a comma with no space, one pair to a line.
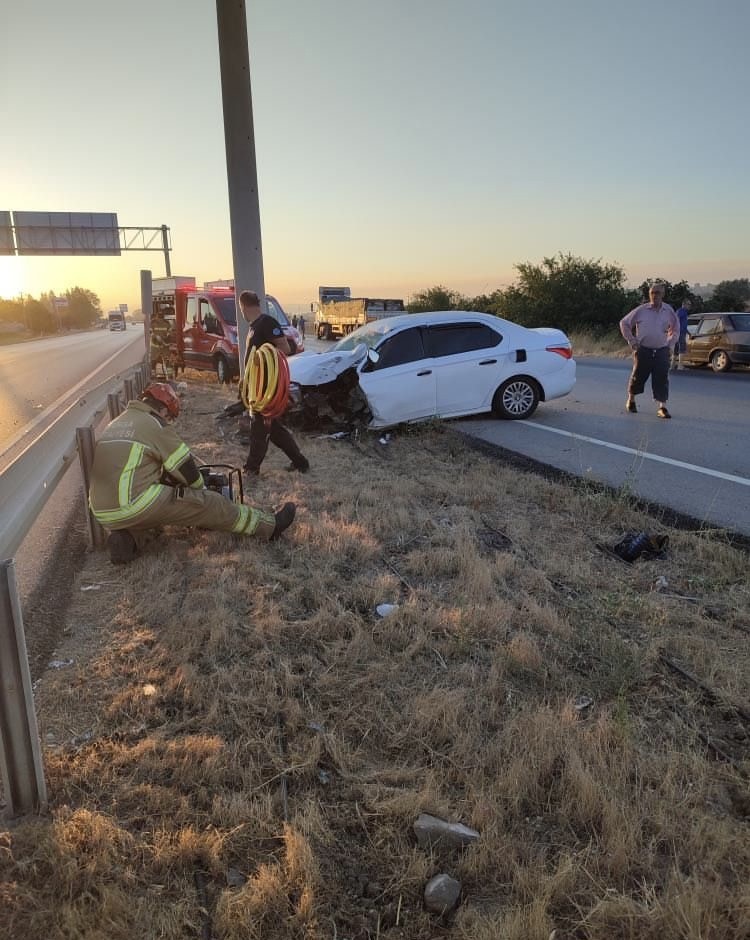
228,310
371,334
741,321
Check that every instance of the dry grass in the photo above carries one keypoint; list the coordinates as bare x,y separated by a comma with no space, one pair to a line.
597,344
248,711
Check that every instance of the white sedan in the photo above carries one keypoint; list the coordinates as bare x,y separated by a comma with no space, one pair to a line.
424,365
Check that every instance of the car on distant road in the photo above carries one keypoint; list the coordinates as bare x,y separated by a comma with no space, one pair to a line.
444,364
720,340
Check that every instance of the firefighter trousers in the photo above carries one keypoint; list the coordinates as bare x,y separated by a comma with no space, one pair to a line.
204,509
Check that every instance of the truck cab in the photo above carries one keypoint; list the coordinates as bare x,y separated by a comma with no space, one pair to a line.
208,332
116,320
205,324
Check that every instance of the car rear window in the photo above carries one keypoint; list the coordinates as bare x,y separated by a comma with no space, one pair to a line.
451,338
741,321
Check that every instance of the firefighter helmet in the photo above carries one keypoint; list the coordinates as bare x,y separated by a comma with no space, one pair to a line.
165,395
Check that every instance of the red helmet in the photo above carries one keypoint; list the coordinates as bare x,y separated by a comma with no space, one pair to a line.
164,393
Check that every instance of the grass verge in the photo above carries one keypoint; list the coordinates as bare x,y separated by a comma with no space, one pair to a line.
241,745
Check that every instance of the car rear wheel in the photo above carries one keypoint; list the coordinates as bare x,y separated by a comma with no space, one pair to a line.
720,361
516,399
222,370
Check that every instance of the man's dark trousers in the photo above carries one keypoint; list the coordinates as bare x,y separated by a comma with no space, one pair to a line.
261,433
650,362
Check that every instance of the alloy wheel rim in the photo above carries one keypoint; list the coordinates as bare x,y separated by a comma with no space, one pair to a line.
518,397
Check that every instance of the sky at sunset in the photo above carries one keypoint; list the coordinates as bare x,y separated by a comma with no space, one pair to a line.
401,144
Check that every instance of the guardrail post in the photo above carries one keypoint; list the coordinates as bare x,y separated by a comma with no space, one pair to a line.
86,442
138,383
20,751
114,405
129,388
146,373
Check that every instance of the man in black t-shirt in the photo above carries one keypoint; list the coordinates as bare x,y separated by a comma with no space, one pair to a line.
264,329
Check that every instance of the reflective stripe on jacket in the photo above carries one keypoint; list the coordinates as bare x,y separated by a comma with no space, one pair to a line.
131,458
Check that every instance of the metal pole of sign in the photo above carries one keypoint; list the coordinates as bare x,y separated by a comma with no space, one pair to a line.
239,143
165,243
86,444
20,751
146,310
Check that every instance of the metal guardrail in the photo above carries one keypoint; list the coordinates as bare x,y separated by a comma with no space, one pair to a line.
26,484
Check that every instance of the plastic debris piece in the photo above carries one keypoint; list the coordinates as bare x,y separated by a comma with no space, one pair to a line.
661,583
385,439
59,663
91,587
583,702
385,610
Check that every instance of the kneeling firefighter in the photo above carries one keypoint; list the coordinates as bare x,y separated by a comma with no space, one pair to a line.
144,477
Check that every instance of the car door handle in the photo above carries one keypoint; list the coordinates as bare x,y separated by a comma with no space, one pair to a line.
425,372
488,362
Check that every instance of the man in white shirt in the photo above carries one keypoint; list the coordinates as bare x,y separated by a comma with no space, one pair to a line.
652,331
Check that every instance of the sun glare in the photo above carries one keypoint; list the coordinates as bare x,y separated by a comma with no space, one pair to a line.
11,278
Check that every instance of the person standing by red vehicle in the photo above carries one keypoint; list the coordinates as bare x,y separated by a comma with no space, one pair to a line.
264,329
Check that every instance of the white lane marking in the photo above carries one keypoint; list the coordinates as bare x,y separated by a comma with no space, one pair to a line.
743,481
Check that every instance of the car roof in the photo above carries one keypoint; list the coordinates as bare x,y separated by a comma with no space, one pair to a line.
441,316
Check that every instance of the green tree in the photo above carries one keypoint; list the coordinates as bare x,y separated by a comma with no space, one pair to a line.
568,292
674,294
38,317
730,295
83,307
436,298
11,311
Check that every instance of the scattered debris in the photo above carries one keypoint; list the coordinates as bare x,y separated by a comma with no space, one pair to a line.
324,777
316,726
634,545
441,894
91,587
59,663
149,690
432,831
337,436
661,583
385,439
385,610
582,703
80,739
235,878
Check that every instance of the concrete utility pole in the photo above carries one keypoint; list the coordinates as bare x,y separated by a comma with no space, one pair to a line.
239,140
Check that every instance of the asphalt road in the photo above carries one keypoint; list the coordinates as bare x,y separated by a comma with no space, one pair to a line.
33,375
698,463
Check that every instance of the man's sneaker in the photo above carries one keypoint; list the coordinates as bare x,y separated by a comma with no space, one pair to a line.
630,406
301,466
284,518
122,547
663,413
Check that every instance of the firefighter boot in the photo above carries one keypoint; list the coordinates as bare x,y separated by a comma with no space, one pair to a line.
122,547
284,518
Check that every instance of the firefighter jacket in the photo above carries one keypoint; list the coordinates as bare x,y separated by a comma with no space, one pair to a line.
135,454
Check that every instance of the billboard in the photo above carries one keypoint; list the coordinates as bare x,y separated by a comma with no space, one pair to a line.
6,235
67,233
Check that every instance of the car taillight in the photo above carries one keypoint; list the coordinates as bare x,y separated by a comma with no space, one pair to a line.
565,351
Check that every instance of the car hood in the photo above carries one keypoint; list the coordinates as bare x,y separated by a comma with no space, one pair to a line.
319,368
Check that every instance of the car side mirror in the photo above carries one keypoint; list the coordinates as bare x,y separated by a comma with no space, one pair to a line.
373,355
